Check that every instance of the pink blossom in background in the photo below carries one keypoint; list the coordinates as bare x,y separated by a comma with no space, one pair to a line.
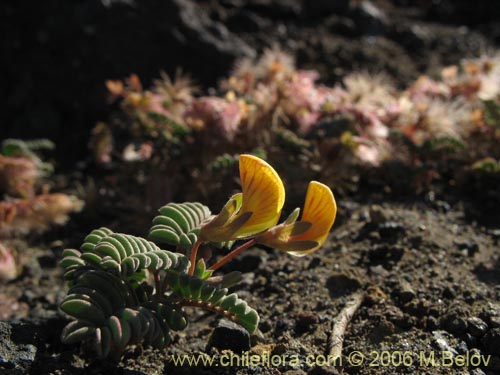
215,113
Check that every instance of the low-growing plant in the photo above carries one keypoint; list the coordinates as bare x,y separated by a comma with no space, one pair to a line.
126,289
27,206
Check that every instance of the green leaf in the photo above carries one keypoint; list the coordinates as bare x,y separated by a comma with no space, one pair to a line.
179,223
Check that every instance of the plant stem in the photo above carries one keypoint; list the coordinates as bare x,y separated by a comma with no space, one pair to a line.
157,284
194,252
232,254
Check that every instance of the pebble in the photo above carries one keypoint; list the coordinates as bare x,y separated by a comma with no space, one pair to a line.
323,371
471,247
495,322
377,214
454,324
229,335
294,372
18,347
476,327
405,292
341,284
305,321
391,229
491,341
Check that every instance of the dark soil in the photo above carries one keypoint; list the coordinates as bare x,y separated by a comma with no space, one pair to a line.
427,266
428,275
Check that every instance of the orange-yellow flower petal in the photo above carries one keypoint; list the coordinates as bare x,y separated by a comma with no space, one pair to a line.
308,234
262,199
263,195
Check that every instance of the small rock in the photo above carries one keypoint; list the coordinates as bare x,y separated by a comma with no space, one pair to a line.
315,262
265,326
375,295
385,255
18,347
469,340
305,321
280,349
294,372
491,341
340,285
449,292
48,261
377,214
477,371
229,335
495,321
432,323
379,271
471,247
454,324
476,327
405,291
391,229
323,371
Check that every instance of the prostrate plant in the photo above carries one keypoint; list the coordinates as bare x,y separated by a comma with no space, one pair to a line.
338,133
115,301
24,209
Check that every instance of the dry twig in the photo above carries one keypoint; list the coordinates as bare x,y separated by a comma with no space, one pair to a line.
340,325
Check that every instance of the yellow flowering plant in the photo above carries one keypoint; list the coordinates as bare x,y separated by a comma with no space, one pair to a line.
255,212
126,289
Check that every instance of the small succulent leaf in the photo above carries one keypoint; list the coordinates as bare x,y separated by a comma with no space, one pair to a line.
179,223
91,295
206,292
168,222
185,212
164,234
111,265
92,258
185,241
200,268
173,213
249,321
116,329
106,283
98,343
83,310
76,331
71,252
68,261
195,285
106,341
184,285
240,308
217,296
228,301
177,320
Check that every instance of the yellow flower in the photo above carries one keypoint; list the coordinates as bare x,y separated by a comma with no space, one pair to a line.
308,234
254,210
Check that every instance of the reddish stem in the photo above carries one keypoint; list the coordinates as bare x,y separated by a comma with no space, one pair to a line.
194,252
232,254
